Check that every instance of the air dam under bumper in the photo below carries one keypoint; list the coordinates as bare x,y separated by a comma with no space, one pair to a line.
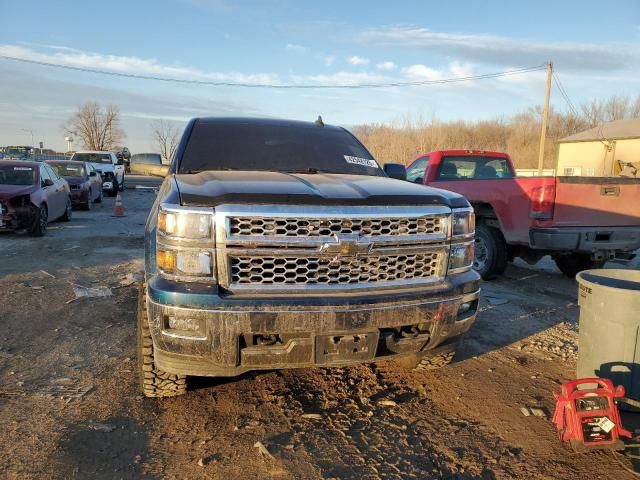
231,336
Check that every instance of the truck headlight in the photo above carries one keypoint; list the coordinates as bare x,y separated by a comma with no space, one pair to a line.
185,224
461,257
464,223
185,246
190,263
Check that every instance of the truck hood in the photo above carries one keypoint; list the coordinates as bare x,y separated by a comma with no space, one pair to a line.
249,187
8,192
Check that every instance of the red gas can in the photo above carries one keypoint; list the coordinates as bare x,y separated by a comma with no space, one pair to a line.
588,418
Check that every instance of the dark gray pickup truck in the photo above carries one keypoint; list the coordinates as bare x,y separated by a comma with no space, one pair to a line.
279,244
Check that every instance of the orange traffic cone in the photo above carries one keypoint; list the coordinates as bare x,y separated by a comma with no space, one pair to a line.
118,210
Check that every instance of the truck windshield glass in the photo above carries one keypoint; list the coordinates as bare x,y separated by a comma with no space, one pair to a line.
92,157
147,158
69,169
276,148
474,167
12,175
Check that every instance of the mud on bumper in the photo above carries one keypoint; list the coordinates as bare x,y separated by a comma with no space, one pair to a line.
230,337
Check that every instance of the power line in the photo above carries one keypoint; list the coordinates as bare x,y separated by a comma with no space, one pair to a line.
279,86
564,94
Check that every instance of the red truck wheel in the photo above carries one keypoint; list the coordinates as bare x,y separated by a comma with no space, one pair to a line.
490,252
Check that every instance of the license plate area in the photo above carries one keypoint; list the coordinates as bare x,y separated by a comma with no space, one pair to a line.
347,348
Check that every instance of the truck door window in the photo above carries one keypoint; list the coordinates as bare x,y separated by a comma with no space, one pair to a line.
415,173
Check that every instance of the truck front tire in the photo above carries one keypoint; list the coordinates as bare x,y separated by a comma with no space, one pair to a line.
153,381
490,252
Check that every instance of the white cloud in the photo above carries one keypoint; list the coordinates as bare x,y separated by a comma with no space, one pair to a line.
421,72
386,66
328,61
500,50
292,47
134,65
356,60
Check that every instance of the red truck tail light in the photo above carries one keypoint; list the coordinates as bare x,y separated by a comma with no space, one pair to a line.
543,200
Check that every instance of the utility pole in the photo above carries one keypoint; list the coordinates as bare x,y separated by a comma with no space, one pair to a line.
545,118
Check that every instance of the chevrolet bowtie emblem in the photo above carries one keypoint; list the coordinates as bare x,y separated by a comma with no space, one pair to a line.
347,245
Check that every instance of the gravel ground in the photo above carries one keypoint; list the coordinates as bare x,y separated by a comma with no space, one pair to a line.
69,406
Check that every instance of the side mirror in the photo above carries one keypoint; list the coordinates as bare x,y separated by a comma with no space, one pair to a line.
120,161
48,182
395,170
92,174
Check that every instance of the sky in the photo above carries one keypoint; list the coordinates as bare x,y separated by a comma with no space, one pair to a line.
594,45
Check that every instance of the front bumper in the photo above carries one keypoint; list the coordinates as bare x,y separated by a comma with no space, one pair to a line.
226,333
585,239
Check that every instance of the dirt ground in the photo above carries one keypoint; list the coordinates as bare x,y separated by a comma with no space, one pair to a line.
70,408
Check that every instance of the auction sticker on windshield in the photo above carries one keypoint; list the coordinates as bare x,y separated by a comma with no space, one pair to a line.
23,169
365,162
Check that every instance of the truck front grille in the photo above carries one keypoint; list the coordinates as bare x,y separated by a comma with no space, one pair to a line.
318,270
319,227
299,248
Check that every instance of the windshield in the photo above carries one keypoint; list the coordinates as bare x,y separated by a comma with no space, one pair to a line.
13,175
69,169
148,158
279,148
92,157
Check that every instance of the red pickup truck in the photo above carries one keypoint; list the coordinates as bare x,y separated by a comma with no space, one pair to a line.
580,221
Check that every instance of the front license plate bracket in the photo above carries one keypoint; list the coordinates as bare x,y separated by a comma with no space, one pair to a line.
346,348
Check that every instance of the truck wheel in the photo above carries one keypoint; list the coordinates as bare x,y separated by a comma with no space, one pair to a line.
153,381
491,256
39,226
571,265
416,363
99,199
114,191
121,189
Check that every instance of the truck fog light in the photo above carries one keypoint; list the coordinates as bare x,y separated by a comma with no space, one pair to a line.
466,310
461,257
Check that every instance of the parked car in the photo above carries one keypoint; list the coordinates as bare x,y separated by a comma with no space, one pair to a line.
277,244
84,181
32,194
580,221
108,165
148,164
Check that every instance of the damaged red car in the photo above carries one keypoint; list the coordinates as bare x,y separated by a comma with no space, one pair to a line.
32,194
84,181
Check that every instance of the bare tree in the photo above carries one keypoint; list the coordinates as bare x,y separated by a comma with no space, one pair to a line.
617,108
97,129
166,136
